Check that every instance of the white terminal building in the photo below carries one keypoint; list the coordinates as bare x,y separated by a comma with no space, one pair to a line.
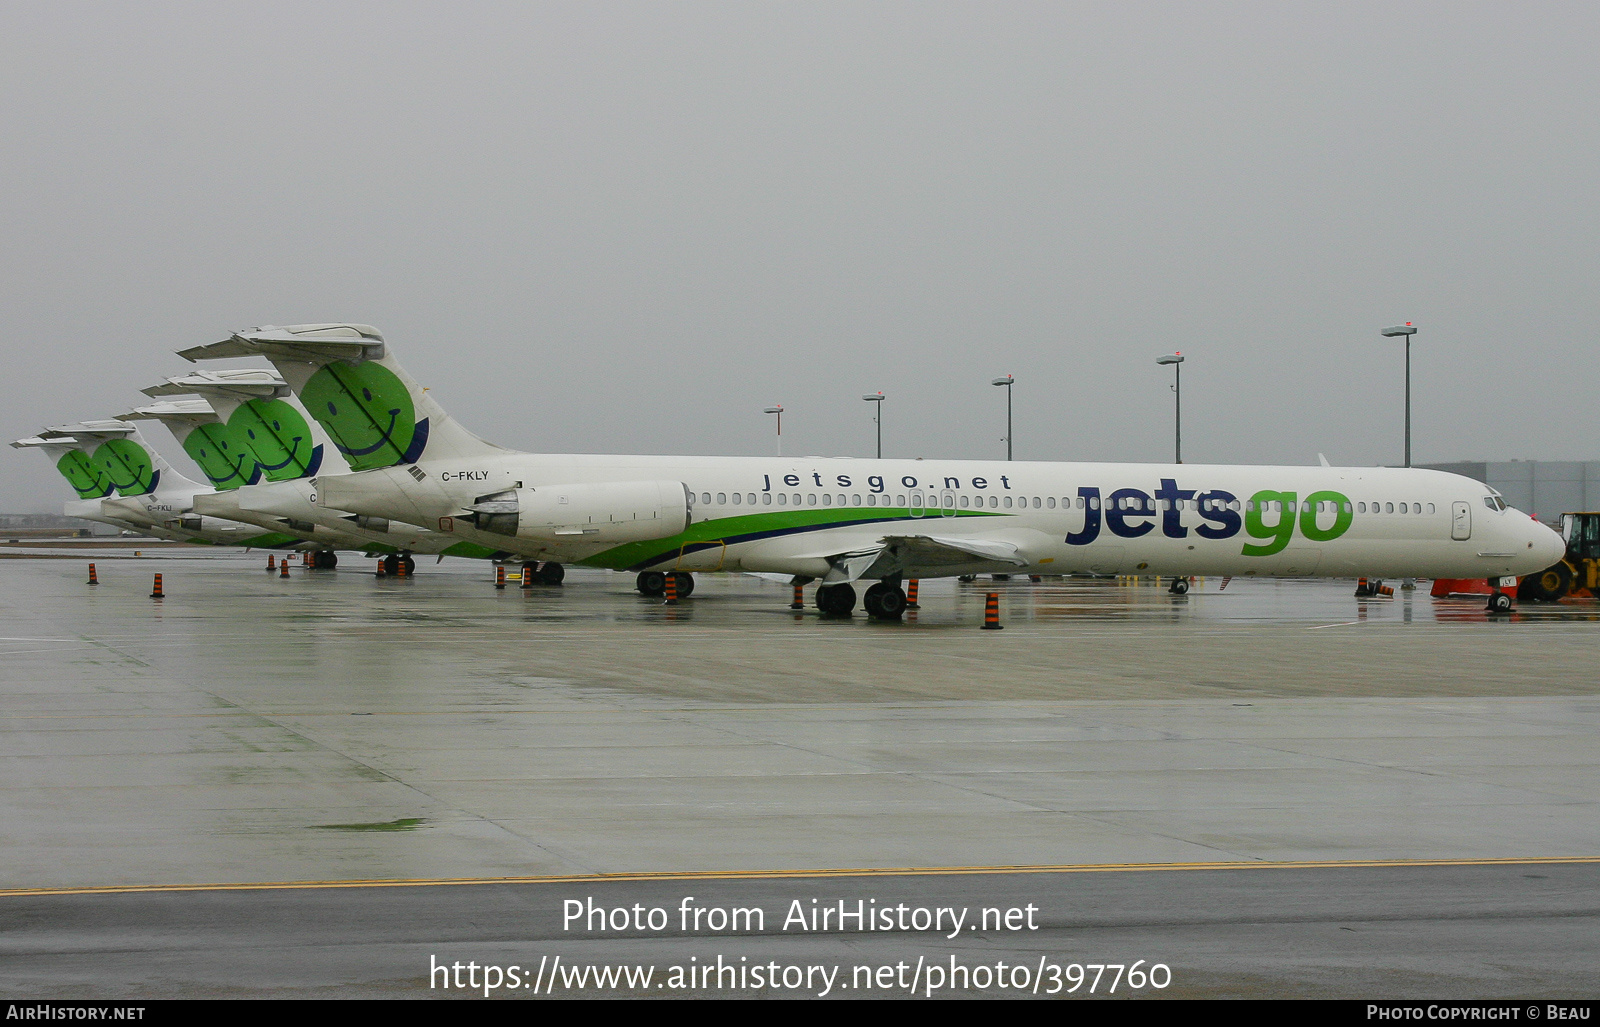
1545,488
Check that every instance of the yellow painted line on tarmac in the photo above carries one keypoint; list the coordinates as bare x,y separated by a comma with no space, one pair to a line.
762,875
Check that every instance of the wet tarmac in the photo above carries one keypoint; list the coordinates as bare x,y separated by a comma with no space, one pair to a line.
336,727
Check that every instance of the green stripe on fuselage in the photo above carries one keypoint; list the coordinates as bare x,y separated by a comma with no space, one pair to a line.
733,530
271,541
470,550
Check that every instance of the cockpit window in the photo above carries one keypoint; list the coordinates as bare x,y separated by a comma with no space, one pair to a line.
1494,502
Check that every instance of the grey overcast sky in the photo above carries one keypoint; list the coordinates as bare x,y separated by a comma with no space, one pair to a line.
627,227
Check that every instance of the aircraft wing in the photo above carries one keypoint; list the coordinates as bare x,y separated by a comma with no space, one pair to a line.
933,550
930,555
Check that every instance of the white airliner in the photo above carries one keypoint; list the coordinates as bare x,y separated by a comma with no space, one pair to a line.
838,521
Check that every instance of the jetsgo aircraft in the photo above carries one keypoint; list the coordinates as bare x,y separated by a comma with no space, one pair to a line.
838,521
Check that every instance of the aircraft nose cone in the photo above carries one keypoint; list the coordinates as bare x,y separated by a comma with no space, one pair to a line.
1547,544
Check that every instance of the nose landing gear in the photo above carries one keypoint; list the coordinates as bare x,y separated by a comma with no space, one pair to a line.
1500,602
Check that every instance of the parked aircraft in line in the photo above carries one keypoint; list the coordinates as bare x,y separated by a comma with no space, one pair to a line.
840,521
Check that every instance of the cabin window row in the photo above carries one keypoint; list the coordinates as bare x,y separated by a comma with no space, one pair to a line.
1130,503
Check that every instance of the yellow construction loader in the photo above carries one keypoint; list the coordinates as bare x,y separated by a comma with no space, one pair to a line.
1579,572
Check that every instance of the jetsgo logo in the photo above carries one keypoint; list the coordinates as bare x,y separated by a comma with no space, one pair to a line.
1268,516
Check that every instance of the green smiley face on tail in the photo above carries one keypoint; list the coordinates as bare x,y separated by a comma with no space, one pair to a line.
227,464
128,466
79,469
279,438
368,413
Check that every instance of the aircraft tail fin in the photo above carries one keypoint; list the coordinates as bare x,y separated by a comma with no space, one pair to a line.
223,458
120,453
374,412
263,417
75,461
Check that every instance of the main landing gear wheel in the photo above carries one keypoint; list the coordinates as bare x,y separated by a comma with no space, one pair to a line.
685,582
1179,586
324,560
1548,586
391,565
1499,602
967,579
651,583
885,601
836,600
551,574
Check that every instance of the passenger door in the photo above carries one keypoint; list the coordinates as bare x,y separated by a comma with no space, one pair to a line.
1460,521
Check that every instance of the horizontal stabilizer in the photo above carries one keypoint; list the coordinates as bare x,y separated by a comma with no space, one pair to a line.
91,431
315,342
244,382
187,411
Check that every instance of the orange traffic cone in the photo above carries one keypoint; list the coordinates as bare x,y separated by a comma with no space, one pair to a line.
283,568
272,563
94,579
500,576
991,612
156,593
799,602
911,595
672,590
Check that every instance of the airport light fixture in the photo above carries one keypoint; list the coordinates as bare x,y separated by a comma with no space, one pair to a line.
1007,381
1408,330
877,418
779,411
1176,360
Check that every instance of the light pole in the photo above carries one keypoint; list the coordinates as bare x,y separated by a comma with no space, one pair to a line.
1407,330
779,411
1007,381
877,418
1176,360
